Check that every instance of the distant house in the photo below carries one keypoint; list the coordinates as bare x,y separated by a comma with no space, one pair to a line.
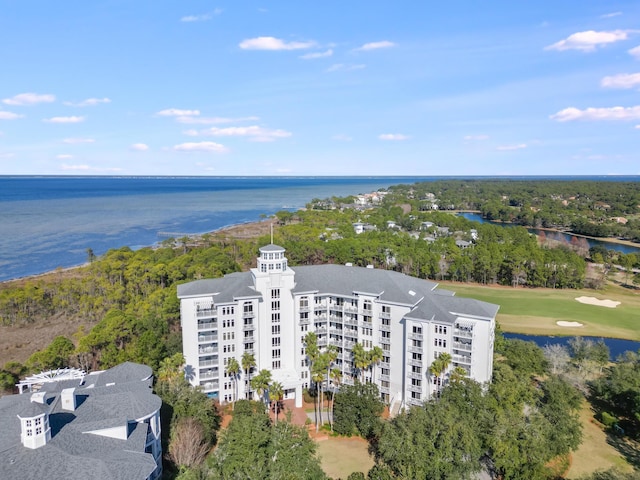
391,224
426,225
442,231
104,425
463,244
358,227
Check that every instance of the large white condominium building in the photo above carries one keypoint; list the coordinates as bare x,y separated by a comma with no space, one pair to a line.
267,312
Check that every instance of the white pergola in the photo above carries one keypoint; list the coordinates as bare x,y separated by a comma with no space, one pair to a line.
38,379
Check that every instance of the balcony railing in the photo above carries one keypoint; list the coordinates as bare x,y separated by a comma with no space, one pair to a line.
385,339
207,325
384,390
417,376
208,375
206,312
351,321
249,327
384,378
248,339
322,342
462,359
208,363
385,328
248,314
414,349
304,308
385,365
320,318
462,346
385,315
351,309
321,331
304,321
209,386
463,333
415,401
414,388
206,350
415,363
207,338
416,336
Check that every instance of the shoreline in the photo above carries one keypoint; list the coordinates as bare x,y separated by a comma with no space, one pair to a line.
242,230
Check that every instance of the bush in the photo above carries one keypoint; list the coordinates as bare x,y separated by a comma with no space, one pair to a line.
306,396
608,420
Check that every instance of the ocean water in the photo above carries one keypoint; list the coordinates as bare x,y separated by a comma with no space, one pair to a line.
50,222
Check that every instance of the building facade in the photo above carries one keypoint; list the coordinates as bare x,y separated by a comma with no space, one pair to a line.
268,311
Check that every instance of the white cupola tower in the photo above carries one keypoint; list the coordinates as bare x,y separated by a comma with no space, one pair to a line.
35,430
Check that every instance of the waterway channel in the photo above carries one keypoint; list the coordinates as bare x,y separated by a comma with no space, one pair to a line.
616,346
476,217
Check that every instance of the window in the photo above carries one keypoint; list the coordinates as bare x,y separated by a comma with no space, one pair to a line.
416,382
368,306
275,364
275,329
38,430
29,432
417,356
228,323
248,307
275,293
415,343
304,302
227,310
38,421
386,309
28,423
415,369
263,267
275,342
275,305
416,395
275,353
275,317
248,346
417,329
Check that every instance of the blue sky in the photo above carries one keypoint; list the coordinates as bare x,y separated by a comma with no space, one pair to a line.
319,88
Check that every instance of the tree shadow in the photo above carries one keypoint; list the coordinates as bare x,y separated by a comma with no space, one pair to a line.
629,449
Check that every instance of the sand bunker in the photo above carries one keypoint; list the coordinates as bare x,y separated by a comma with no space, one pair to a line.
562,323
599,303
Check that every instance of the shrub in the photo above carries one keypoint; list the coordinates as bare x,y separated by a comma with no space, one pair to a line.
608,420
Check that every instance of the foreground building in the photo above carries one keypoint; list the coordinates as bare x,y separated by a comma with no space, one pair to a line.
104,425
267,312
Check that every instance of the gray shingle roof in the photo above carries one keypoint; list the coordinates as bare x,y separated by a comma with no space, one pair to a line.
225,289
72,453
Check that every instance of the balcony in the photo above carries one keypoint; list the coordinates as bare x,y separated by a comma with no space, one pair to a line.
351,333
304,308
385,328
463,333
384,390
208,363
462,346
414,401
350,321
416,336
320,318
304,321
336,342
209,375
336,331
414,363
207,350
248,328
207,325
414,388
249,314
321,331
417,376
206,312
385,365
209,386
207,338
322,342
351,309
413,349
462,359
385,315
250,351
384,378
347,380
248,339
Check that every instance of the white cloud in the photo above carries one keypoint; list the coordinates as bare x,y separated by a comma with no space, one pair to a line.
589,40
393,136
200,147
313,55
177,112
64,166
7,155
202,17
4,115
213,120
623,80
607,113
635,52
75,141
139,147
254,132
475,138
64,156
376,46
342,67
611,15
29,99
72,119
637,126
342,138
272,43
89,102
507,148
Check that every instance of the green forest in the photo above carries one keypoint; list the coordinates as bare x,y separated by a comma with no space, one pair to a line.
125,307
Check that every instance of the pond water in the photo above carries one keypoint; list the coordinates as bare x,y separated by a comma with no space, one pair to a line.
476,217
616,346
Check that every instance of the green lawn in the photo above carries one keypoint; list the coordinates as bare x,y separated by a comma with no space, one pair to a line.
536,311
341,456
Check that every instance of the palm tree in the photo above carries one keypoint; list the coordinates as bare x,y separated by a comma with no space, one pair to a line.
311,344
458,374
260,383
275,394
329,356
375,357
317,375
336,376
439,366
233,369
248,363
360,358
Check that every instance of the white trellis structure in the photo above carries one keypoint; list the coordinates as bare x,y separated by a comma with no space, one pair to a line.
33,383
